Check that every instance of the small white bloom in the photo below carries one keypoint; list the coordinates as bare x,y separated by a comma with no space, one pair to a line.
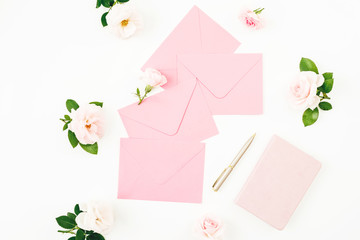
303,89
153,77
124,20
96,216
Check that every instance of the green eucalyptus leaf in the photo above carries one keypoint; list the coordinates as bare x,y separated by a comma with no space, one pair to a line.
308,65
327,85
103,19
90,148
98,3
67,117
326,106
72,138
71,215
77,209
66,125
95,236
72,238
71,104
310,116
100,104
66,222
138,91
80,235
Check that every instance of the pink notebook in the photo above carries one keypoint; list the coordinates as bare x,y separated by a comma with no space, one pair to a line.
278,183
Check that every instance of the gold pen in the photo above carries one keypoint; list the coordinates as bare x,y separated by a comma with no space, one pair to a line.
223,176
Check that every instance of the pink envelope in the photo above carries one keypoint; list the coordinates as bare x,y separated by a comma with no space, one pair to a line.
196,33
164,170
231,83
179,112
278,183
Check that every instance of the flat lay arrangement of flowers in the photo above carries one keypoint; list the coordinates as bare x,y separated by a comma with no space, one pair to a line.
85,123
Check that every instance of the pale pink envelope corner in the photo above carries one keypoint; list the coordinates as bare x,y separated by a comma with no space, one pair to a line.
164,170
196,33
231,83
179,112
278,183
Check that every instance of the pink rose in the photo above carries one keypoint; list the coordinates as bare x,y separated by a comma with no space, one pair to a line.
153,77
210,228
252,19
303,89
87,123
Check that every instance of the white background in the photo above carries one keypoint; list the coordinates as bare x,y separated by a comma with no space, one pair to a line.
54,50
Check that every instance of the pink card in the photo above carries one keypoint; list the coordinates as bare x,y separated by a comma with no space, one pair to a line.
278,183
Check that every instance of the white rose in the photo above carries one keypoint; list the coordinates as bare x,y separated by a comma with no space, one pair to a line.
123,20
87,123
153,77
303,89
96,216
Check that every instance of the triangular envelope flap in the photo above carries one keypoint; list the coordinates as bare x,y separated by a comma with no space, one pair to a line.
164,111
220,73
214,38
161,159
185,38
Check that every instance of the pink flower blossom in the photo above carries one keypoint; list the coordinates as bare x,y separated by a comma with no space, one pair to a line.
252,19
153,77
210,228
303,89
87,123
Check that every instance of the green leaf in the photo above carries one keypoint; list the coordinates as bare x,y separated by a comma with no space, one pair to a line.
77,209
66,125
67,117
72,138
80,235
310,116
103,19
327,85
308,65
138,91
95,236
72,238
122,1
66,222
98,3
71,215
100,104
328,75
71,104
325,106
106,3
90,148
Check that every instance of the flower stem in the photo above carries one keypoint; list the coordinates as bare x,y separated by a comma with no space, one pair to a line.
258,10
68,231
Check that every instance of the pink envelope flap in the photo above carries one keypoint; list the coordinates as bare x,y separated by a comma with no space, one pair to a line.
161,159
171,104
196,33
220,73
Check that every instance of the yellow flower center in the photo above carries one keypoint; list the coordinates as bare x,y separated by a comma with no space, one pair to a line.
88,126
125,22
